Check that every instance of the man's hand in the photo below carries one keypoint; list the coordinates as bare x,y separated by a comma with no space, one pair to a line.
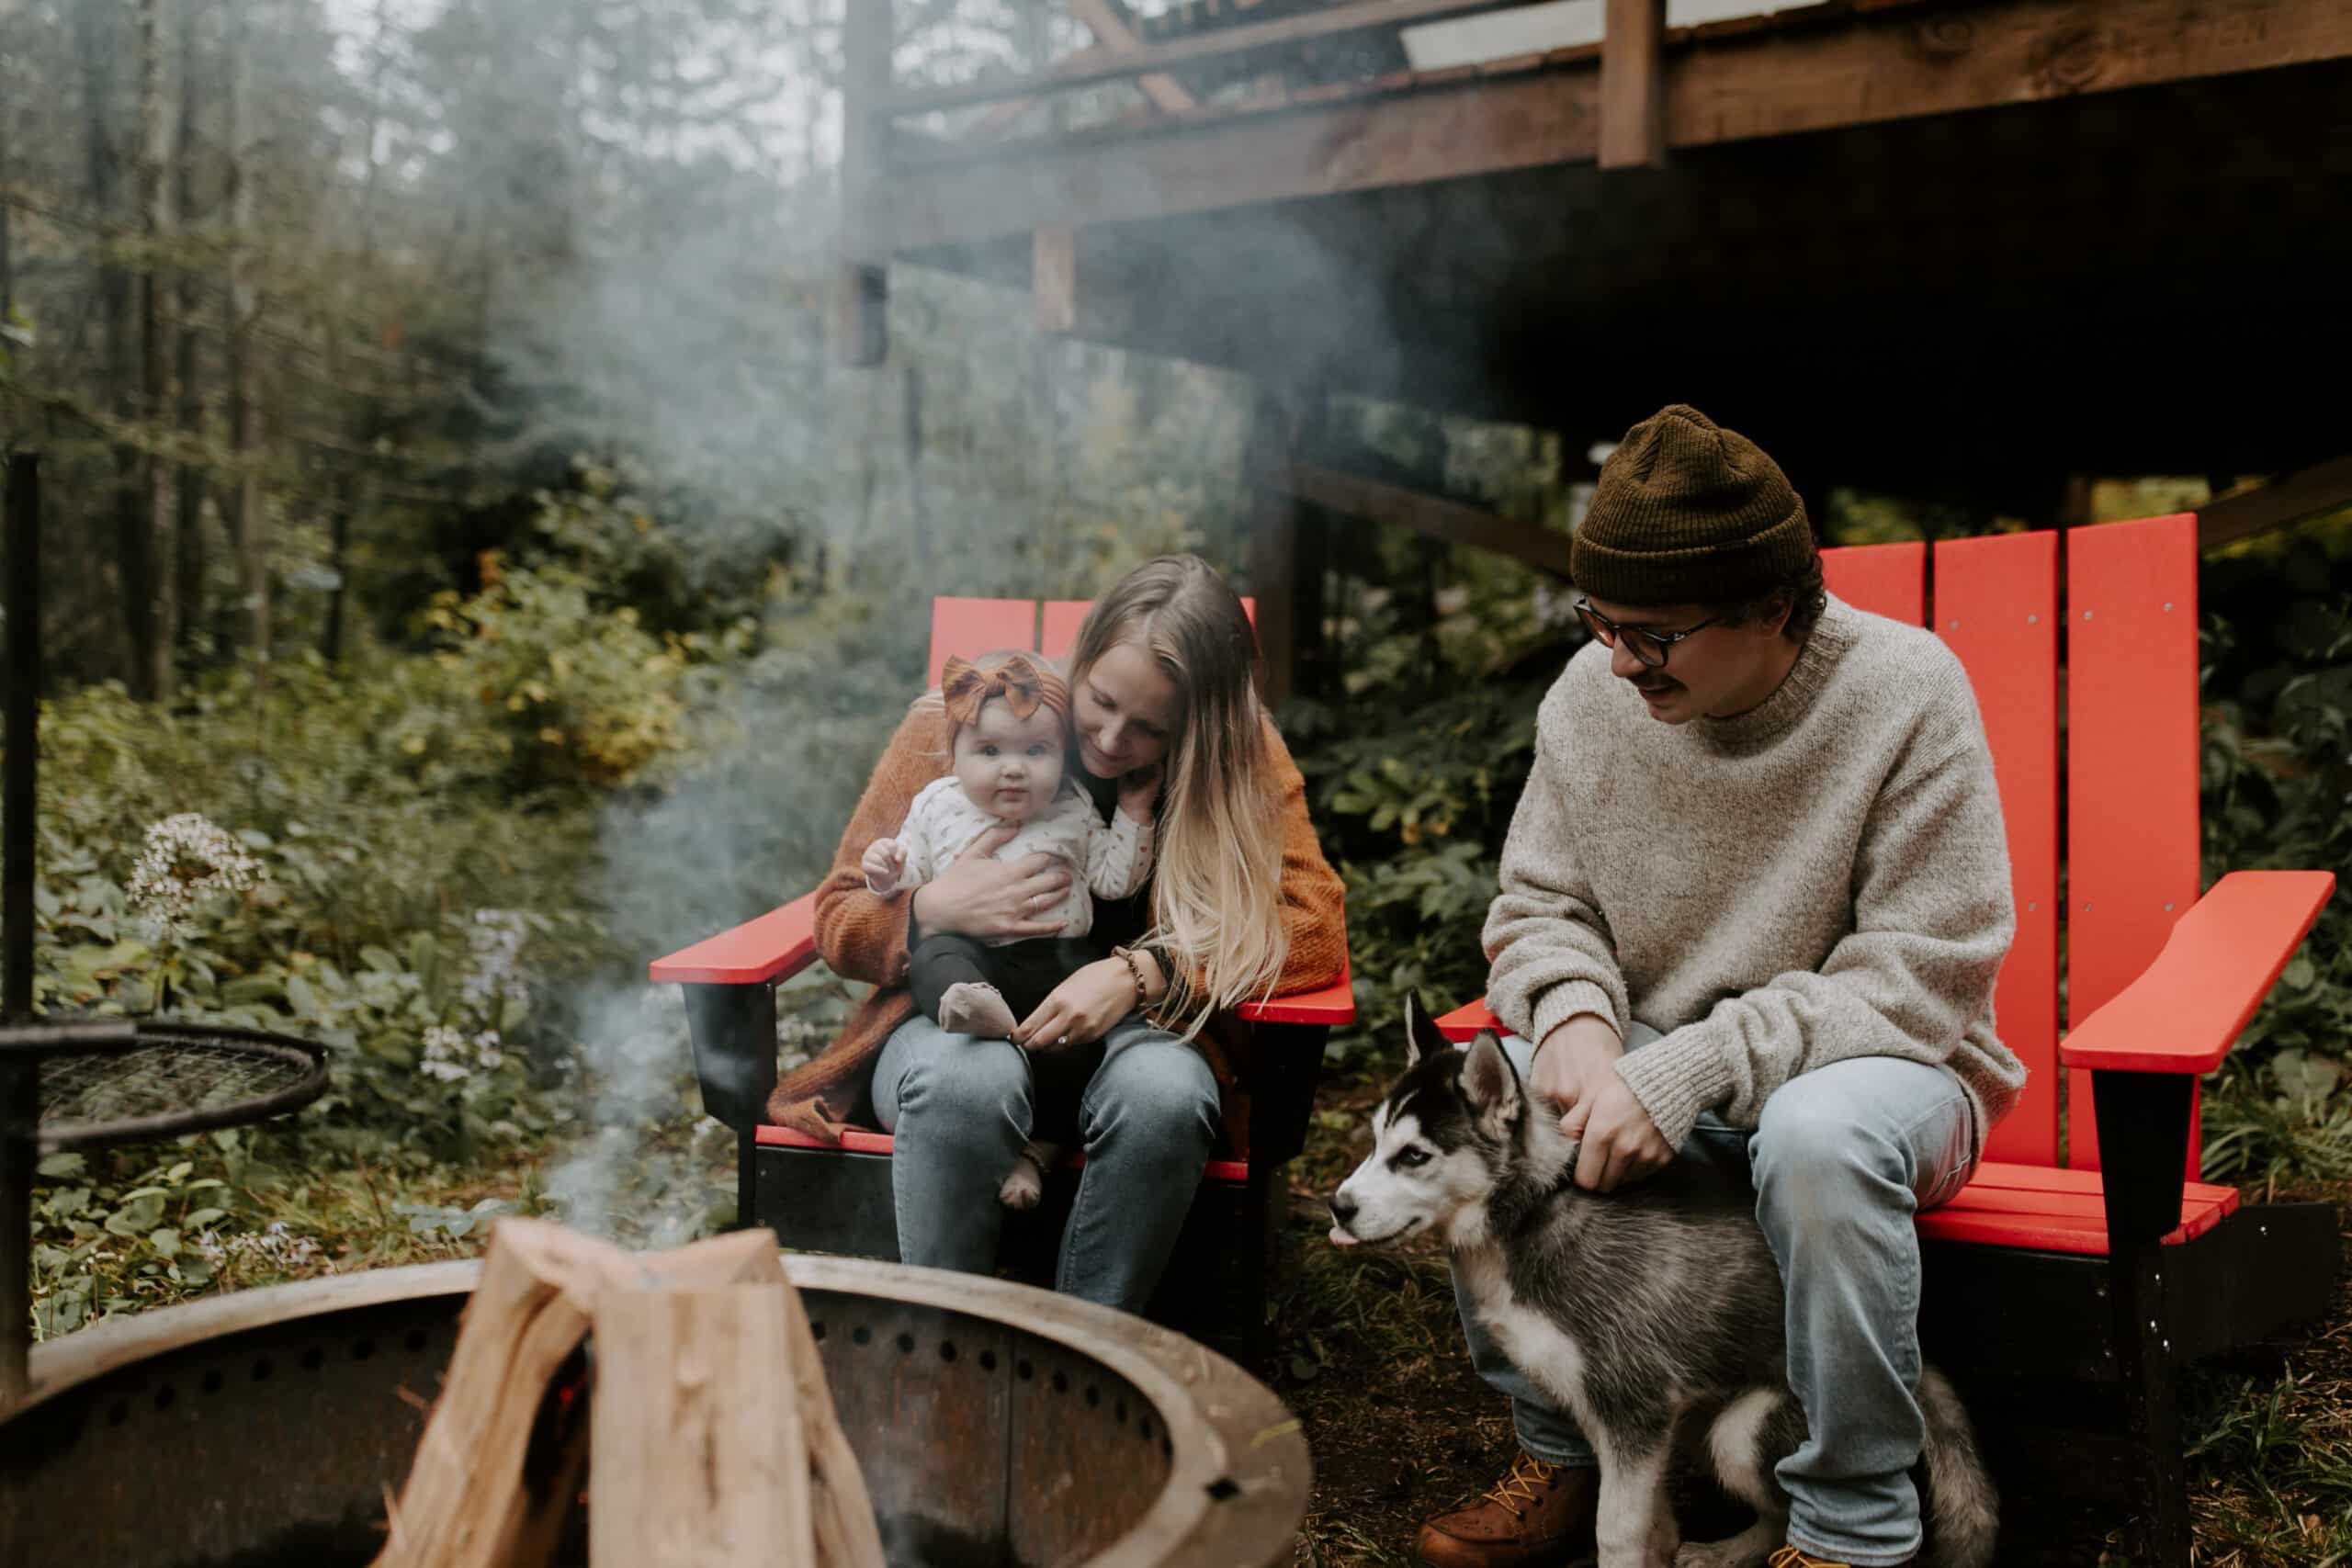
1618,1142
1573,1062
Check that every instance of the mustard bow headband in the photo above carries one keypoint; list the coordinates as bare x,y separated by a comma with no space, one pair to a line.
1019,681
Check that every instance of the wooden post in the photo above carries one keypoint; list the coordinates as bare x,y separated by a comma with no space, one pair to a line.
1053,279
1633,85
1275,517
861,285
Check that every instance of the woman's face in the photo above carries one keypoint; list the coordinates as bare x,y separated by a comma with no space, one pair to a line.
1125,708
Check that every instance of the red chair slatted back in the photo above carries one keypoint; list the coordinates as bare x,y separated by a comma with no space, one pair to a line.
2132,755
1997,607
1063,615
1885,580
968,627
2131,766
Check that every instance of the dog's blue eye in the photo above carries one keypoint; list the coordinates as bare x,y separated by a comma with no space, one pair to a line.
1408,1159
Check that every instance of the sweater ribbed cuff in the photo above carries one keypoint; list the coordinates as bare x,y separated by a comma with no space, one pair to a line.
1564,1002
1676,1079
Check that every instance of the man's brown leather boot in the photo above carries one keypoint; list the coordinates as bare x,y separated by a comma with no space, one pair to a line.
1540,1515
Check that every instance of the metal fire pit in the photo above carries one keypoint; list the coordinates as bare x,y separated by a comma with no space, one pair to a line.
997,1425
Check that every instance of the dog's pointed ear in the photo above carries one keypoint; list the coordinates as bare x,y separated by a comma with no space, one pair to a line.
1422,1037
1491,1084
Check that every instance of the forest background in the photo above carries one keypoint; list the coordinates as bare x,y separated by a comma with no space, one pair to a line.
451,500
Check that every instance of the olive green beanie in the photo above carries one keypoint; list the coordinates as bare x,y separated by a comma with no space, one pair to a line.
1687,513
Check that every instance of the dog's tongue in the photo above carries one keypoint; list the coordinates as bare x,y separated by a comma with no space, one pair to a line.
1341,1238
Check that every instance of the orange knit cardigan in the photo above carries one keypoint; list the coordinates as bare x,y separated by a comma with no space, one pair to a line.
863,937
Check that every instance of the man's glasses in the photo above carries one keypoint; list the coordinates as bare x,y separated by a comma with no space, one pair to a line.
1648,644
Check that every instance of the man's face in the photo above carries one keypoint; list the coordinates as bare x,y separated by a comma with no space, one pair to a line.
1717,671
1011,767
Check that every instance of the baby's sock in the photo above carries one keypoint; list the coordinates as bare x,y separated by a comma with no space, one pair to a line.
1025,1183
972,1006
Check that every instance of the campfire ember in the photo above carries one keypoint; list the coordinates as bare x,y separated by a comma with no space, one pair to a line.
712,1431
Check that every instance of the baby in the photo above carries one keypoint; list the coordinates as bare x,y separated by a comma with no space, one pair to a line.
1008,724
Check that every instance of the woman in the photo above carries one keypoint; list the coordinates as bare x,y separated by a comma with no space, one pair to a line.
1240,905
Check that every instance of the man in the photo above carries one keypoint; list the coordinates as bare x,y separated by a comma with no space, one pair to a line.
1752,906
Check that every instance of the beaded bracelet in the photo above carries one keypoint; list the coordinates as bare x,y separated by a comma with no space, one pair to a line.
1128,956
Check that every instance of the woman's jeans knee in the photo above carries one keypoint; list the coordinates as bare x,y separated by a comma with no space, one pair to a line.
960,1110
1842,1160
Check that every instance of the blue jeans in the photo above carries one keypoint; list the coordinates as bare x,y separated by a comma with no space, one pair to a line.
960,1109
1841,1160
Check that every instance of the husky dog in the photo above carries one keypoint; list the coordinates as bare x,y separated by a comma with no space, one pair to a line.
1653,1314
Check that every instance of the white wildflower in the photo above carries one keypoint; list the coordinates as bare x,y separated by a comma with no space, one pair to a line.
496,943
450,1054
187,860
275,1247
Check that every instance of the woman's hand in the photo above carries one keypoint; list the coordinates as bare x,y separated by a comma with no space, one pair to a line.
983,897
1081,1009
1139,791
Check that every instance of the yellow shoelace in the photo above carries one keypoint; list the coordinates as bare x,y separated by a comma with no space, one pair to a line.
1789,1557
1527,1472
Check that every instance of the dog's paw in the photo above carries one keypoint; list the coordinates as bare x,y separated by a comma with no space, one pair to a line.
1738,1552
1022,1187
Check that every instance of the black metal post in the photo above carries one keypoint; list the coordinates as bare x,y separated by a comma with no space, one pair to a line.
19,1072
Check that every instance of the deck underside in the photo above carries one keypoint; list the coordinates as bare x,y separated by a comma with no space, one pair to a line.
2135,282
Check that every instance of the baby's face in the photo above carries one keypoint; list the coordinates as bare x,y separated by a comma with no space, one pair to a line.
1011,767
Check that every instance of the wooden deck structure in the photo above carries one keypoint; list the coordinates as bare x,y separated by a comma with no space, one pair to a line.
1962,247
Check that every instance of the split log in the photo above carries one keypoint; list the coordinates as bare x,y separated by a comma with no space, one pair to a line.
711,1410
465,1505
700,1457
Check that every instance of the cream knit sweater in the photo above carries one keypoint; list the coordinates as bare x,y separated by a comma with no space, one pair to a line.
1821,877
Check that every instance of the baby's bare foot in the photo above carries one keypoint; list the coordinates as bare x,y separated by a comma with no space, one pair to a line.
972,1007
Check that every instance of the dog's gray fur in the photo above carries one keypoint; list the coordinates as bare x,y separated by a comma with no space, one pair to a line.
1654,1314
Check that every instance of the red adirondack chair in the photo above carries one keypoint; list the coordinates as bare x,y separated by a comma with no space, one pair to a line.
2079,1253
820,1198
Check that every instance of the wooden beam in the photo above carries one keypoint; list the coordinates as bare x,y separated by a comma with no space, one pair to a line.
1633,85
2287,499
1079,71
1879,66
1053,279
1435,517
1103,20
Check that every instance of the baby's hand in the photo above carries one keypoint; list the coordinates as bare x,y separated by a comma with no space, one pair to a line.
885,863
1139,791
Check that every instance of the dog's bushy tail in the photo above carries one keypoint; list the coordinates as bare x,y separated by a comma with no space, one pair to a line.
1964,1511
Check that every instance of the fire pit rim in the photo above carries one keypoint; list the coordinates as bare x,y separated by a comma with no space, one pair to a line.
1237,1479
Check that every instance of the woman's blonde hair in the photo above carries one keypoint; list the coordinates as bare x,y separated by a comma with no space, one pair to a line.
1216,892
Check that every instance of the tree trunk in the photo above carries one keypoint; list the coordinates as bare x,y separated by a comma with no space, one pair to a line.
134,564
248,528
346,500
155,376
188,530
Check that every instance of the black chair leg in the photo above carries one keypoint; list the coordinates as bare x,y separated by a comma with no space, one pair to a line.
2149,1373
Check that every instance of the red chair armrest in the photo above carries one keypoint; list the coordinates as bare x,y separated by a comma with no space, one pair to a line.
775,946
1464,1023
2183,1013
1334,1003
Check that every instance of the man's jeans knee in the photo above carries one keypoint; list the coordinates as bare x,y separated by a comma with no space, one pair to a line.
1843,1159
